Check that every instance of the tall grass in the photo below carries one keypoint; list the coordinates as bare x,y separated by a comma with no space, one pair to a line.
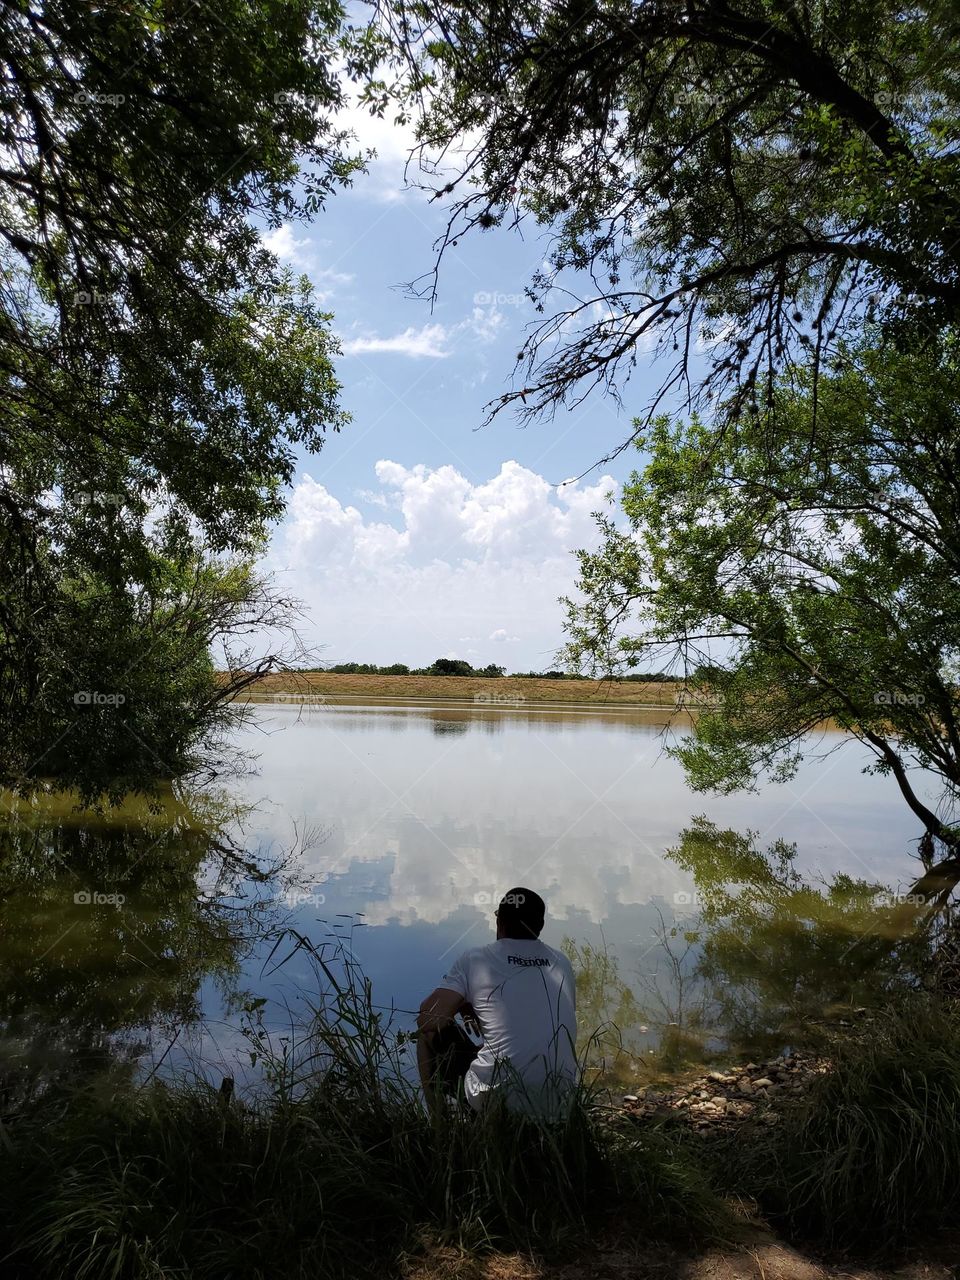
334,1172
337,1169
870,1160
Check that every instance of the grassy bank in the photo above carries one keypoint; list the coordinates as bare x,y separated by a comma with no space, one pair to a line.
335,1170
870,1158
170,1182
338,1171
505,691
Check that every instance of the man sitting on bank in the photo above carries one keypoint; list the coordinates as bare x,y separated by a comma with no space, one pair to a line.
520,996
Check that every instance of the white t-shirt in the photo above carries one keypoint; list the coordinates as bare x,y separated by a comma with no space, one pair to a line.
524,995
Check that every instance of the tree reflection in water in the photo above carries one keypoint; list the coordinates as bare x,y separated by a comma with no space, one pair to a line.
109,923
756,960
785,957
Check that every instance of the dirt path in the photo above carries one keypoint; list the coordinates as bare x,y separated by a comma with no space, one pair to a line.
766,1259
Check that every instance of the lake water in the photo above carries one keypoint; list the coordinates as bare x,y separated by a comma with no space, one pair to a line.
402,825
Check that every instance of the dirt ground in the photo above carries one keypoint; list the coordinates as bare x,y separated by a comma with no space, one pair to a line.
763,1259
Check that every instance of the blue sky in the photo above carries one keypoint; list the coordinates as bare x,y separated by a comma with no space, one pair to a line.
415,534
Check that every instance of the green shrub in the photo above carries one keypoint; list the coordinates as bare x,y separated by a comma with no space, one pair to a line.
871,1158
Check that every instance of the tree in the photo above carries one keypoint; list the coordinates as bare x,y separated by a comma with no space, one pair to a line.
450,667
608,1013
122,692
106,932
800,577
141,315
726,184
158,365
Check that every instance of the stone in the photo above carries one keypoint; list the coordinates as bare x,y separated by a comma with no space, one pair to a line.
630,1097
763,1083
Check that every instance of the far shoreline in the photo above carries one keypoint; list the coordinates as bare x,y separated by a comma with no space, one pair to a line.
514,694
489,693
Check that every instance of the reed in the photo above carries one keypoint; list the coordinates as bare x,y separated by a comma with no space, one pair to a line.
335,1170
869,1160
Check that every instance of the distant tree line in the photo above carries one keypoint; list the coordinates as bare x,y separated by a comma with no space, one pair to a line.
441,667
459,667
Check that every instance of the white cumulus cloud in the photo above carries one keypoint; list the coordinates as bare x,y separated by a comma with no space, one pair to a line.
445,561
430,340
283,242
302,253
482,325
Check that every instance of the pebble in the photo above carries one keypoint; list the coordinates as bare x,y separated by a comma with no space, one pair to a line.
719,1099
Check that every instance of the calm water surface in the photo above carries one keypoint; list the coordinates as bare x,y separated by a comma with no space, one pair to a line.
402,826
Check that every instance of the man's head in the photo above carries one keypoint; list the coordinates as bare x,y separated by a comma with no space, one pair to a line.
520,914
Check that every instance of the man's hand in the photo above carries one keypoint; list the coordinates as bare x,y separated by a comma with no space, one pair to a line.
470,1019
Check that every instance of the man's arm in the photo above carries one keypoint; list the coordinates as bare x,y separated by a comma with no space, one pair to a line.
439,1009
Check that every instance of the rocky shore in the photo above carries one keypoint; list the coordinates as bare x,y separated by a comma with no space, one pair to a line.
725,1098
